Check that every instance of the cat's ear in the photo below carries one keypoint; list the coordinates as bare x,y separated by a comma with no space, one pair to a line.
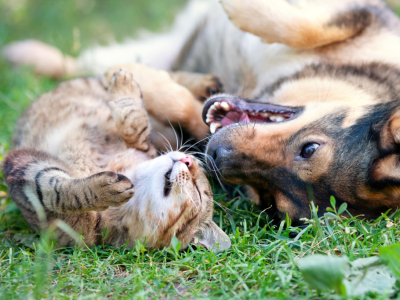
213,238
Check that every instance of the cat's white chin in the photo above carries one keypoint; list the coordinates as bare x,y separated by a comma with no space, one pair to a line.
165,177
164,186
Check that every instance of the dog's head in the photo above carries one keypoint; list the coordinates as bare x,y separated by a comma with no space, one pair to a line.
337,135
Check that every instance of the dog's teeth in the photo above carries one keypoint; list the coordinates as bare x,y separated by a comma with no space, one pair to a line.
214,126
217,104
265,115
276,118
225,105
214,106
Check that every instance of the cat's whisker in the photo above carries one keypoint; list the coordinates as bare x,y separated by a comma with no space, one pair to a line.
227,210
156,228
180,128
224,208
186,144
176,135
214,167
191,199
206,138
169,144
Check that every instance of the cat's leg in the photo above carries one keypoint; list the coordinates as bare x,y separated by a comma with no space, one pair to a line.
200,85
167,101
309,25
37,179
129,113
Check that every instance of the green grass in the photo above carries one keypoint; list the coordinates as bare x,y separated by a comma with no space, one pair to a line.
263,260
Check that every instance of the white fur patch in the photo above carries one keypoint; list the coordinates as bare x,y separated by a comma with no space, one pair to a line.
157,51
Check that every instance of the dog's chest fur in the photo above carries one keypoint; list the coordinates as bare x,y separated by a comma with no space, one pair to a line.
246,65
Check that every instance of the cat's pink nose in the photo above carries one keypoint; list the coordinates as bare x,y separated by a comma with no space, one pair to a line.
187,160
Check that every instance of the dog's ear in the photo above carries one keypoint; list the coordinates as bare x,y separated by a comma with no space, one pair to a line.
390,134
386,170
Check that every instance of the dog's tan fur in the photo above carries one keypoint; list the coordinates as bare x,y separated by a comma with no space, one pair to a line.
309,26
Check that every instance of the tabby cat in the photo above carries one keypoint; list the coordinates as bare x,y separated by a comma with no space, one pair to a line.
83,154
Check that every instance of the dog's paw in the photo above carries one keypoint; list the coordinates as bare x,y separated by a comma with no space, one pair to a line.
211,85
233,10
255,16
45,60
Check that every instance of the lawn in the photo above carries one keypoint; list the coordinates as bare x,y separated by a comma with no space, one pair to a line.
265,261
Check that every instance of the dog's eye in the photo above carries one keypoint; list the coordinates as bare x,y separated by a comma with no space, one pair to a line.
309,150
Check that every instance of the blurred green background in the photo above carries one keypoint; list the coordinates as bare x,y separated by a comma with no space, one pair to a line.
72,24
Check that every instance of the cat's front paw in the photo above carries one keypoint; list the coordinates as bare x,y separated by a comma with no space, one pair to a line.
112,189
122,85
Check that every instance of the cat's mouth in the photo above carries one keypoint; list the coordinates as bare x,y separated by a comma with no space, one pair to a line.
185,175
167,183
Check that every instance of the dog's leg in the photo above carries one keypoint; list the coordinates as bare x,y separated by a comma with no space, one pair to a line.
317,24
167,101
45,59
201,86
156,50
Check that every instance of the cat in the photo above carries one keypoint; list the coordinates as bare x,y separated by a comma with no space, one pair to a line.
82,154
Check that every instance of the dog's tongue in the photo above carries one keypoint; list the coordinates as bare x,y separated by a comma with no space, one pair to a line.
234,117
244,118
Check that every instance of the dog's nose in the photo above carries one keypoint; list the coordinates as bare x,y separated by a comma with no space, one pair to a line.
219,154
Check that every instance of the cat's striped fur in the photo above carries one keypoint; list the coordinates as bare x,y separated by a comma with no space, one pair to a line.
83,154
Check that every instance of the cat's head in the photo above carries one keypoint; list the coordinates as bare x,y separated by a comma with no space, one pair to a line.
173,197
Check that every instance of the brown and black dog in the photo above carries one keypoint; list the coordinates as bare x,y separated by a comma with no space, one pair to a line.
330,129
319,110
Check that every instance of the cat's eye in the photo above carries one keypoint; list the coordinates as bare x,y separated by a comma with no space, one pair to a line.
309,149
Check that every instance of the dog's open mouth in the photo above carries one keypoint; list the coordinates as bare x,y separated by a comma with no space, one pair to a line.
224,111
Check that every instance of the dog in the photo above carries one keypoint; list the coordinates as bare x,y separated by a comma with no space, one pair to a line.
311,108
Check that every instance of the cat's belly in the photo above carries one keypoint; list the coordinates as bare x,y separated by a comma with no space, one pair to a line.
79,131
